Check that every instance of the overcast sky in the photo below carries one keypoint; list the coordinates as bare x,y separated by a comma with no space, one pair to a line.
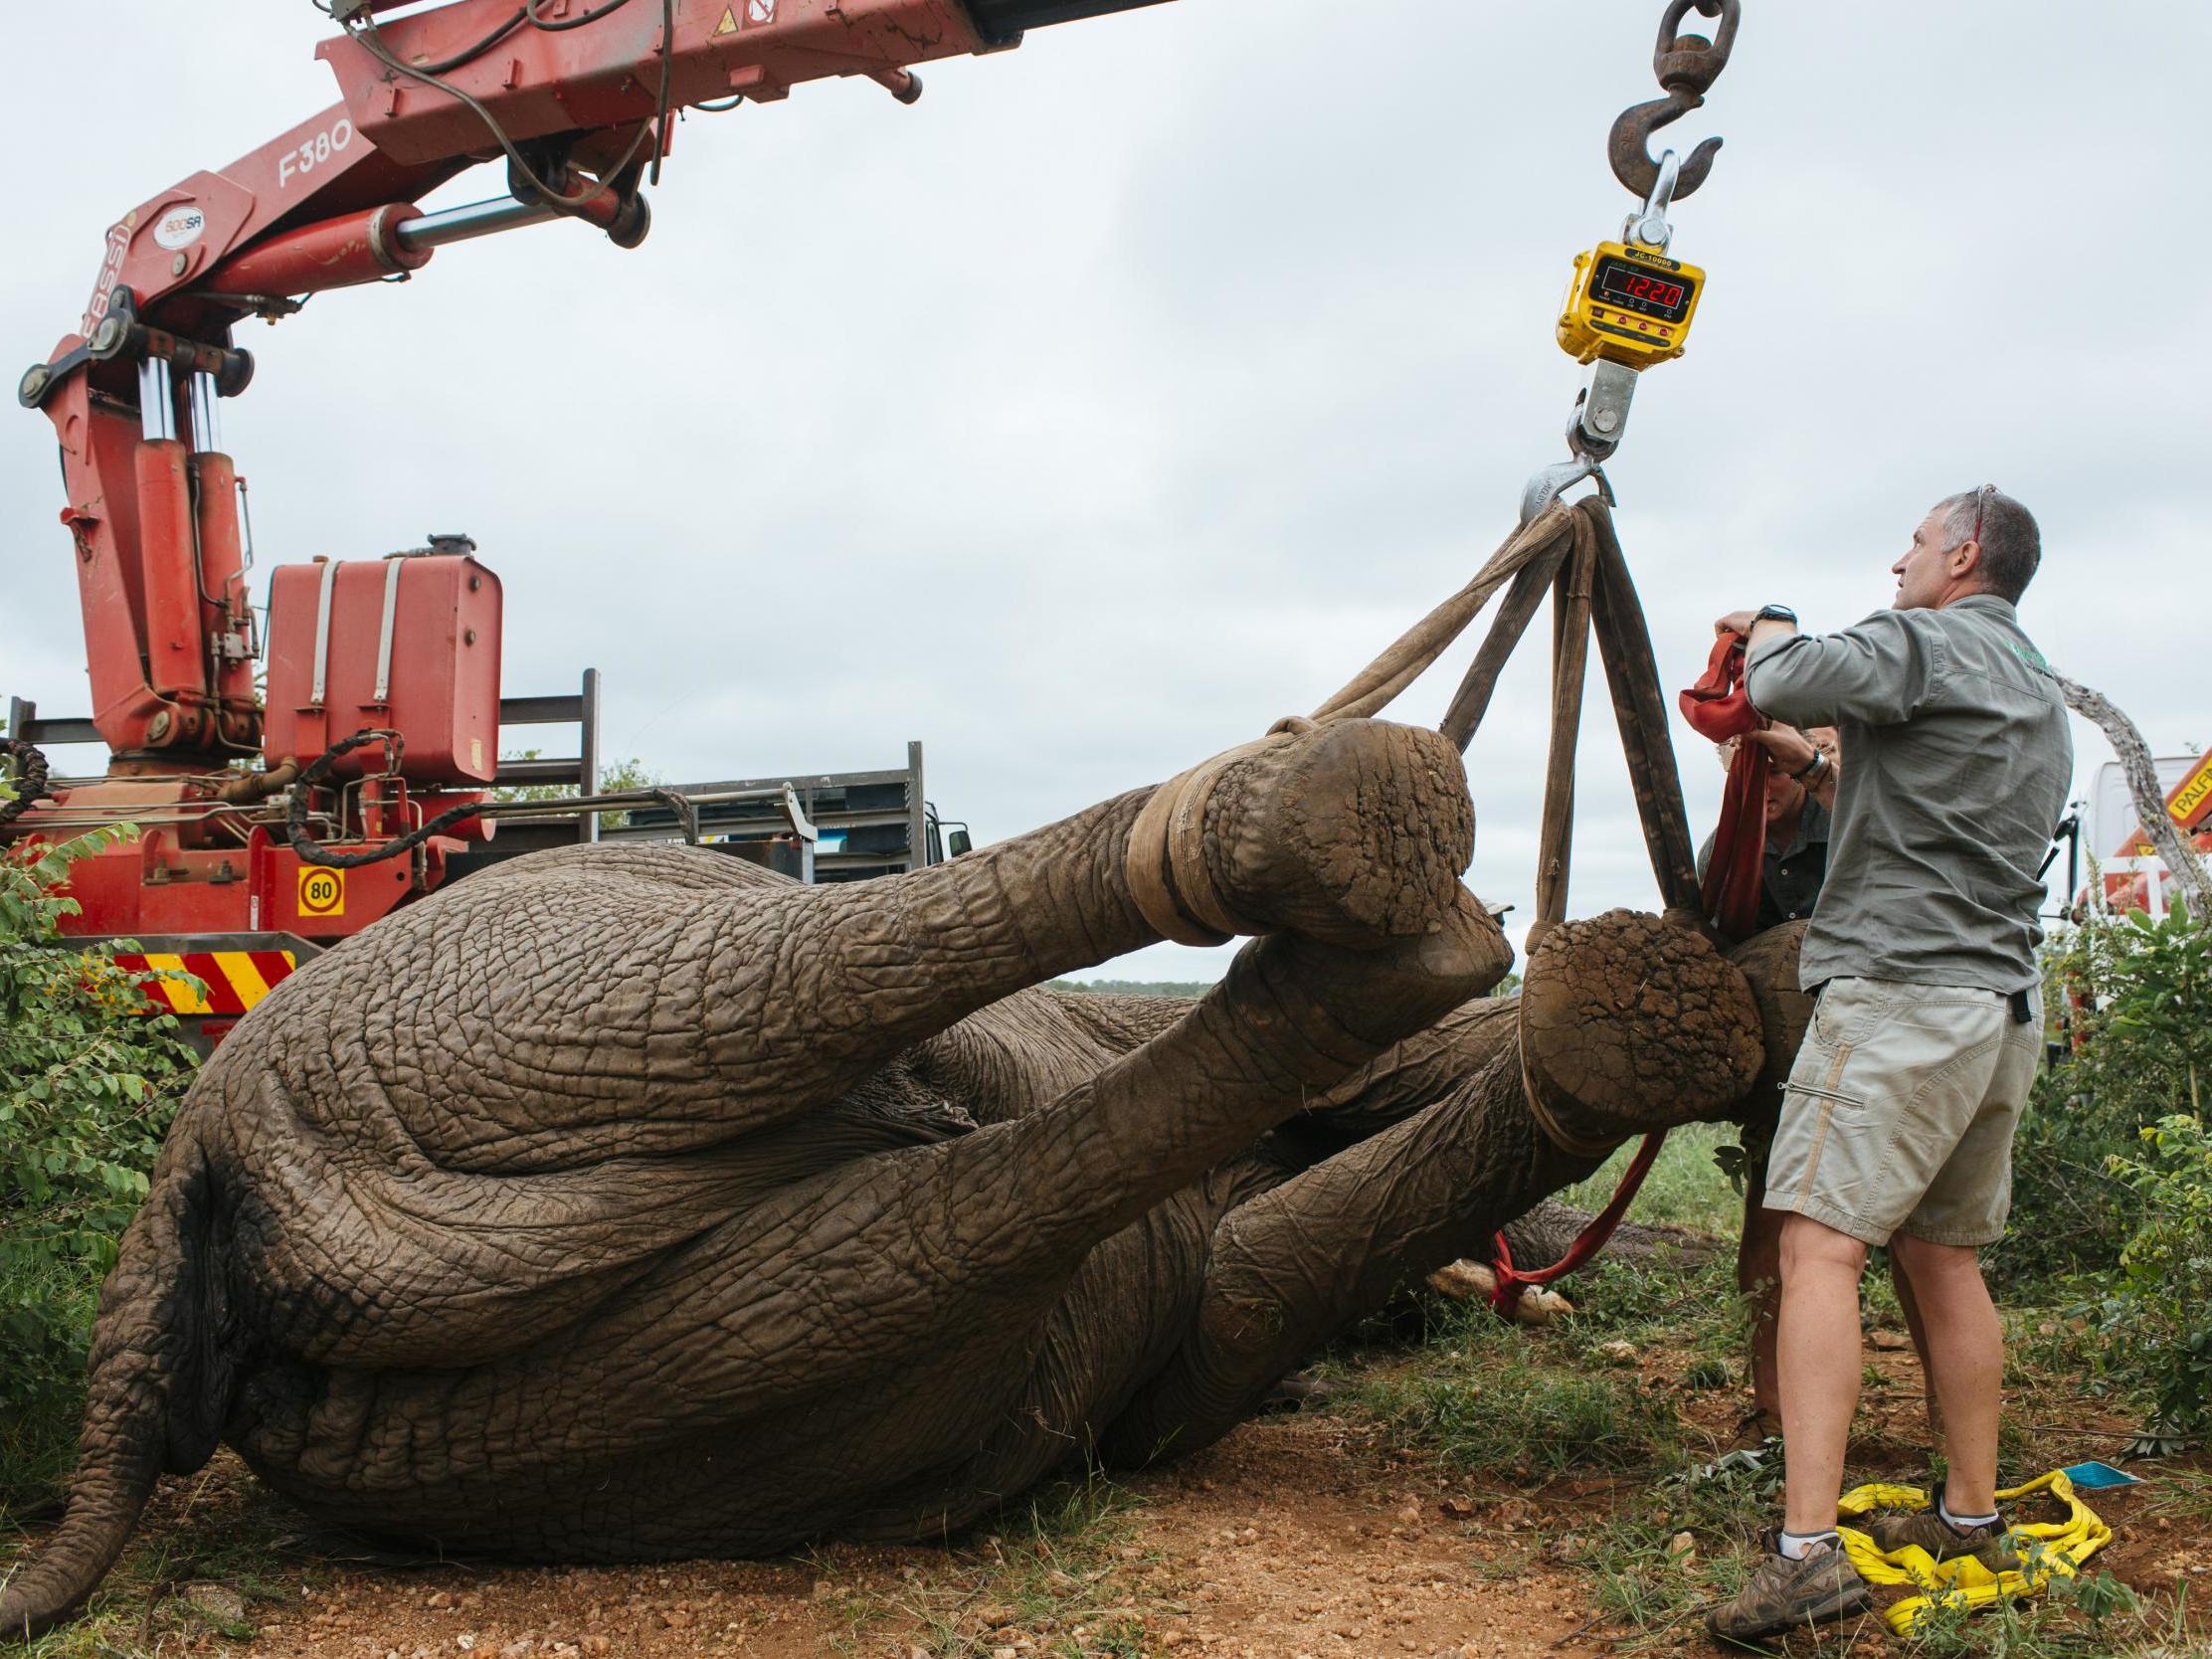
1134,388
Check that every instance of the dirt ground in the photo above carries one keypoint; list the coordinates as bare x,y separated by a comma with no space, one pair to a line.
1286,1539
1296,1536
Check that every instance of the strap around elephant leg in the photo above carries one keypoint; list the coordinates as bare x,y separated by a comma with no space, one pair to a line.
1166,861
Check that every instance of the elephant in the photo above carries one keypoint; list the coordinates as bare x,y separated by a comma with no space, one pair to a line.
632,1202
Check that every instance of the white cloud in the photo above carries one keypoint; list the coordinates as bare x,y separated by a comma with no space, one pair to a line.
1135,387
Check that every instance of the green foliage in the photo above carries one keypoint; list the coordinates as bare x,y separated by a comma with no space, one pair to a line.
613,780
2160,1310
88,1085
2128,996
1189,989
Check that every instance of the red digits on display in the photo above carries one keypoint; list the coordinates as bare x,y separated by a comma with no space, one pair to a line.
1649,288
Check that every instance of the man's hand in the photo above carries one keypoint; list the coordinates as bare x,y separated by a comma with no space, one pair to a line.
1755,627
1792,749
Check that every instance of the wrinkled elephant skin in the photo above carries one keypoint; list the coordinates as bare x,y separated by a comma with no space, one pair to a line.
632,1201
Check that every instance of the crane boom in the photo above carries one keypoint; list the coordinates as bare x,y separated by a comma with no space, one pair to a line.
373,745
575,95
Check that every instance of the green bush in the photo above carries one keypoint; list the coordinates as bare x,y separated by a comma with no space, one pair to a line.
2160,1312
2128,998
88,1085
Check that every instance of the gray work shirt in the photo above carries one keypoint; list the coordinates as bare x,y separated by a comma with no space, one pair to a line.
1956,761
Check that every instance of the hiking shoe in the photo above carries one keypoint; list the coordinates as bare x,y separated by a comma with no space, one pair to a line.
1754,1429
1988,1542
1783,1595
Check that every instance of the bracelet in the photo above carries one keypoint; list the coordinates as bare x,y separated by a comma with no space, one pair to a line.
1813,766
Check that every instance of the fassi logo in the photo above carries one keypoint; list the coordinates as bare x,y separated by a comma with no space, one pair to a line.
110,271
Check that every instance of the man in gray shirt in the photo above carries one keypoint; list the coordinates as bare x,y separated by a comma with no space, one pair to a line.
1897,1123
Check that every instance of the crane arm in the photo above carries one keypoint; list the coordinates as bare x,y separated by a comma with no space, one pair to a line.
575,96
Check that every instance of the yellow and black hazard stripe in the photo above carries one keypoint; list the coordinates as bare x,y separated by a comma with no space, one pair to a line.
233,981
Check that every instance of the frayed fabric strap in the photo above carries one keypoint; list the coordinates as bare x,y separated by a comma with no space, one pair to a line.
1166,853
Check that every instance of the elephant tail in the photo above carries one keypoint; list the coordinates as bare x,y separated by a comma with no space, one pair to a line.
158,1392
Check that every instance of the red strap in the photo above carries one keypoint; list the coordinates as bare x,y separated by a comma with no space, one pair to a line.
1719,708
1591,1239
1717,705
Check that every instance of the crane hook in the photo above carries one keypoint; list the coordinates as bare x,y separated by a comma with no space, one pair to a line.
1686,66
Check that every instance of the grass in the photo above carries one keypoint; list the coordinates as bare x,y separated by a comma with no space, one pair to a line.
1685,1189
1528,1405
210,1536
1057,1572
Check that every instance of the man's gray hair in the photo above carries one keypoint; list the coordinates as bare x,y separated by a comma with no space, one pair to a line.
2011,545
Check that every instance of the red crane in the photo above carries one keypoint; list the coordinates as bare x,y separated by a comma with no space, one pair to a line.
274,814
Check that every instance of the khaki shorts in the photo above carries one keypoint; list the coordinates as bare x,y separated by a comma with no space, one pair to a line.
1900,1112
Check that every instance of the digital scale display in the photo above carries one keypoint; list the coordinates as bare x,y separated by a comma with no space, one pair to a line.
1619,283
1627,306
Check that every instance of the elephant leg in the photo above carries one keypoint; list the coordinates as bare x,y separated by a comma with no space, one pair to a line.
1292,1266
648,1002
1351,834
823,1291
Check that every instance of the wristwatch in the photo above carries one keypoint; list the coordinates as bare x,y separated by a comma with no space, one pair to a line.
1812,768
1775,613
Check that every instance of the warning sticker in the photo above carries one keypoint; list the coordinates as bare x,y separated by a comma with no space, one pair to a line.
728,25
2188,802
323,892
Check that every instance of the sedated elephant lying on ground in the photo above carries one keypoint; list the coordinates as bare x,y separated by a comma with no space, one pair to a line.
632,1201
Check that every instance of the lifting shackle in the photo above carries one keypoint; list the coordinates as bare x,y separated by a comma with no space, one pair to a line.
1687,66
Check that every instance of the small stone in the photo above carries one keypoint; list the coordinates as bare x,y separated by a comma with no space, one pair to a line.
1459,1508
518,1650
217,1603
1683,1547
466,1641
1409,1515
1890,1341
1617,1353
596,1643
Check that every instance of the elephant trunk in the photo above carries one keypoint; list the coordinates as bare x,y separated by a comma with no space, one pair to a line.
158,1392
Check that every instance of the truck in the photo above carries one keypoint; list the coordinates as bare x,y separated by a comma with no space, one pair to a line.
292,772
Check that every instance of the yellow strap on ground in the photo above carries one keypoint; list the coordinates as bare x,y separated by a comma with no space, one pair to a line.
2047,1549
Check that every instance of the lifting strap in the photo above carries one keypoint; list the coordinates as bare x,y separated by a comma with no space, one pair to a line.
1719,707
2048,1549
1572,554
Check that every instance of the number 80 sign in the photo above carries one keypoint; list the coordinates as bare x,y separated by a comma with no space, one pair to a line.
322,892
